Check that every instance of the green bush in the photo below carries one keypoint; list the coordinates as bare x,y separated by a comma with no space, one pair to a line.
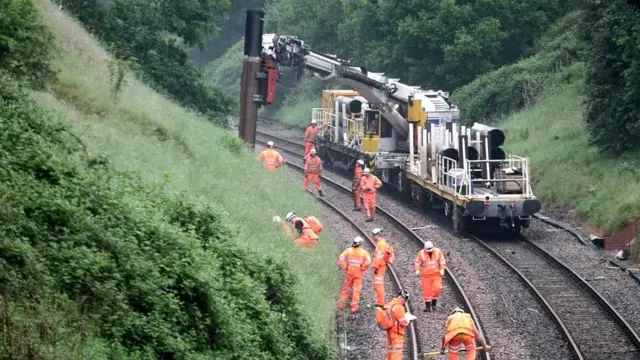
612,29
148,273
25,44
225,72
514,87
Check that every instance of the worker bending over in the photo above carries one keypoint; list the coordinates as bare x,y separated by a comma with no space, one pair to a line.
312,170
369,185
307,238
271,158
461,335
355,187
394,319
384,255
355,261
310,136
430,265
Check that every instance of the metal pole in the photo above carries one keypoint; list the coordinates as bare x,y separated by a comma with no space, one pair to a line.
249,83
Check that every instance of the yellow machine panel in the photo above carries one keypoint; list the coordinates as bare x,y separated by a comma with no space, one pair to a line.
329,97
415,114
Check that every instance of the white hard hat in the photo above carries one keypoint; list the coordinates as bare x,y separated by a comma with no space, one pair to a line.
457,310
428,245
313,121
270,143
366,171
313,151
376,231
360,162
276,219
357,241
290,216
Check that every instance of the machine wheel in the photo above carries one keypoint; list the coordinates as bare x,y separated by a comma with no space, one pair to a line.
460,221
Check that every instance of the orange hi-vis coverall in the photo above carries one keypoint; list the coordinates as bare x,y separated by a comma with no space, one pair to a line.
381,258
355,187
310,136
356,261
307,238
430,266
272,159
312,170
461,335
395,335
370,185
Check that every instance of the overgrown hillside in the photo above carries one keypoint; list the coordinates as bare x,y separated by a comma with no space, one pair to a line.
123,234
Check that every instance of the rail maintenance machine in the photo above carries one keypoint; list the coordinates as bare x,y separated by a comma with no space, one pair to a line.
413,141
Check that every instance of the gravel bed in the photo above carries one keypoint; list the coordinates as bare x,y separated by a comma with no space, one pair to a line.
364,339
616,286
497,294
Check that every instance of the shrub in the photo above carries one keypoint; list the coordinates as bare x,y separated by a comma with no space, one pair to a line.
25,44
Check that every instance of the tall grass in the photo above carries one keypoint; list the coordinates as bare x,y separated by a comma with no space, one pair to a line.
143,130
566,171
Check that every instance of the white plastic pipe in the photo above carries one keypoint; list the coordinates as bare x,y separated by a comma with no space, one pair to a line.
410,147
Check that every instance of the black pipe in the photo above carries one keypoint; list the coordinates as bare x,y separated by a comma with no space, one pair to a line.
253,33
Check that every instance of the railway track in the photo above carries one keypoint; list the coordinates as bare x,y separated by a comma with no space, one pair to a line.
593,327
401,237
587,321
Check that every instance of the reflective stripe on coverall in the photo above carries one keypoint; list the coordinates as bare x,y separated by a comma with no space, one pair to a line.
355,261
461,335
370,185
355,187
272,159
395,335
310,136
380,268
312,170
307,238
430,266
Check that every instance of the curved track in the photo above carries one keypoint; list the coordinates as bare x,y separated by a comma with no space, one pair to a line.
584,316
388,222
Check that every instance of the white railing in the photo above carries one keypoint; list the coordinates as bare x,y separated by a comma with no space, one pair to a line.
352,127
515,168
449,175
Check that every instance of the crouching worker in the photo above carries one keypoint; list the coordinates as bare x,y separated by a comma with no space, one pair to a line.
461,335
394,319
307,238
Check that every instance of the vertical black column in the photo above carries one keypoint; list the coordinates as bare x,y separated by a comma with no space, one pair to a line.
249,82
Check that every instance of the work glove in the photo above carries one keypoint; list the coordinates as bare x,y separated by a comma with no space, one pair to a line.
410,317
442,272
417,272
276,219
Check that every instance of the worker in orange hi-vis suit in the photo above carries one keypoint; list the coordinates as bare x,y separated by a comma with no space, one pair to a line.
312,170
369,185
307,238
401,319
310,136
430,265
271,158
355,261
355,187
383,255
461,335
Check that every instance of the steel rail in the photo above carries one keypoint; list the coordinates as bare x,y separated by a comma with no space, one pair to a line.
396,280
457,286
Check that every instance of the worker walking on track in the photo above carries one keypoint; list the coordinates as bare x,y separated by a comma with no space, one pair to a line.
369,185
393,318
355,261
461,335
383,255
307,238
355,187
430,265
310,136
312,170
270,157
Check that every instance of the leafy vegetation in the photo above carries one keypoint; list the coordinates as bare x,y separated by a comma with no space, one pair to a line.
612,30
137,30
142,254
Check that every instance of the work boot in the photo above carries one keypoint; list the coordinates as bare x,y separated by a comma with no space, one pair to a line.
355,208
320,192
433,304
427,306
369,219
